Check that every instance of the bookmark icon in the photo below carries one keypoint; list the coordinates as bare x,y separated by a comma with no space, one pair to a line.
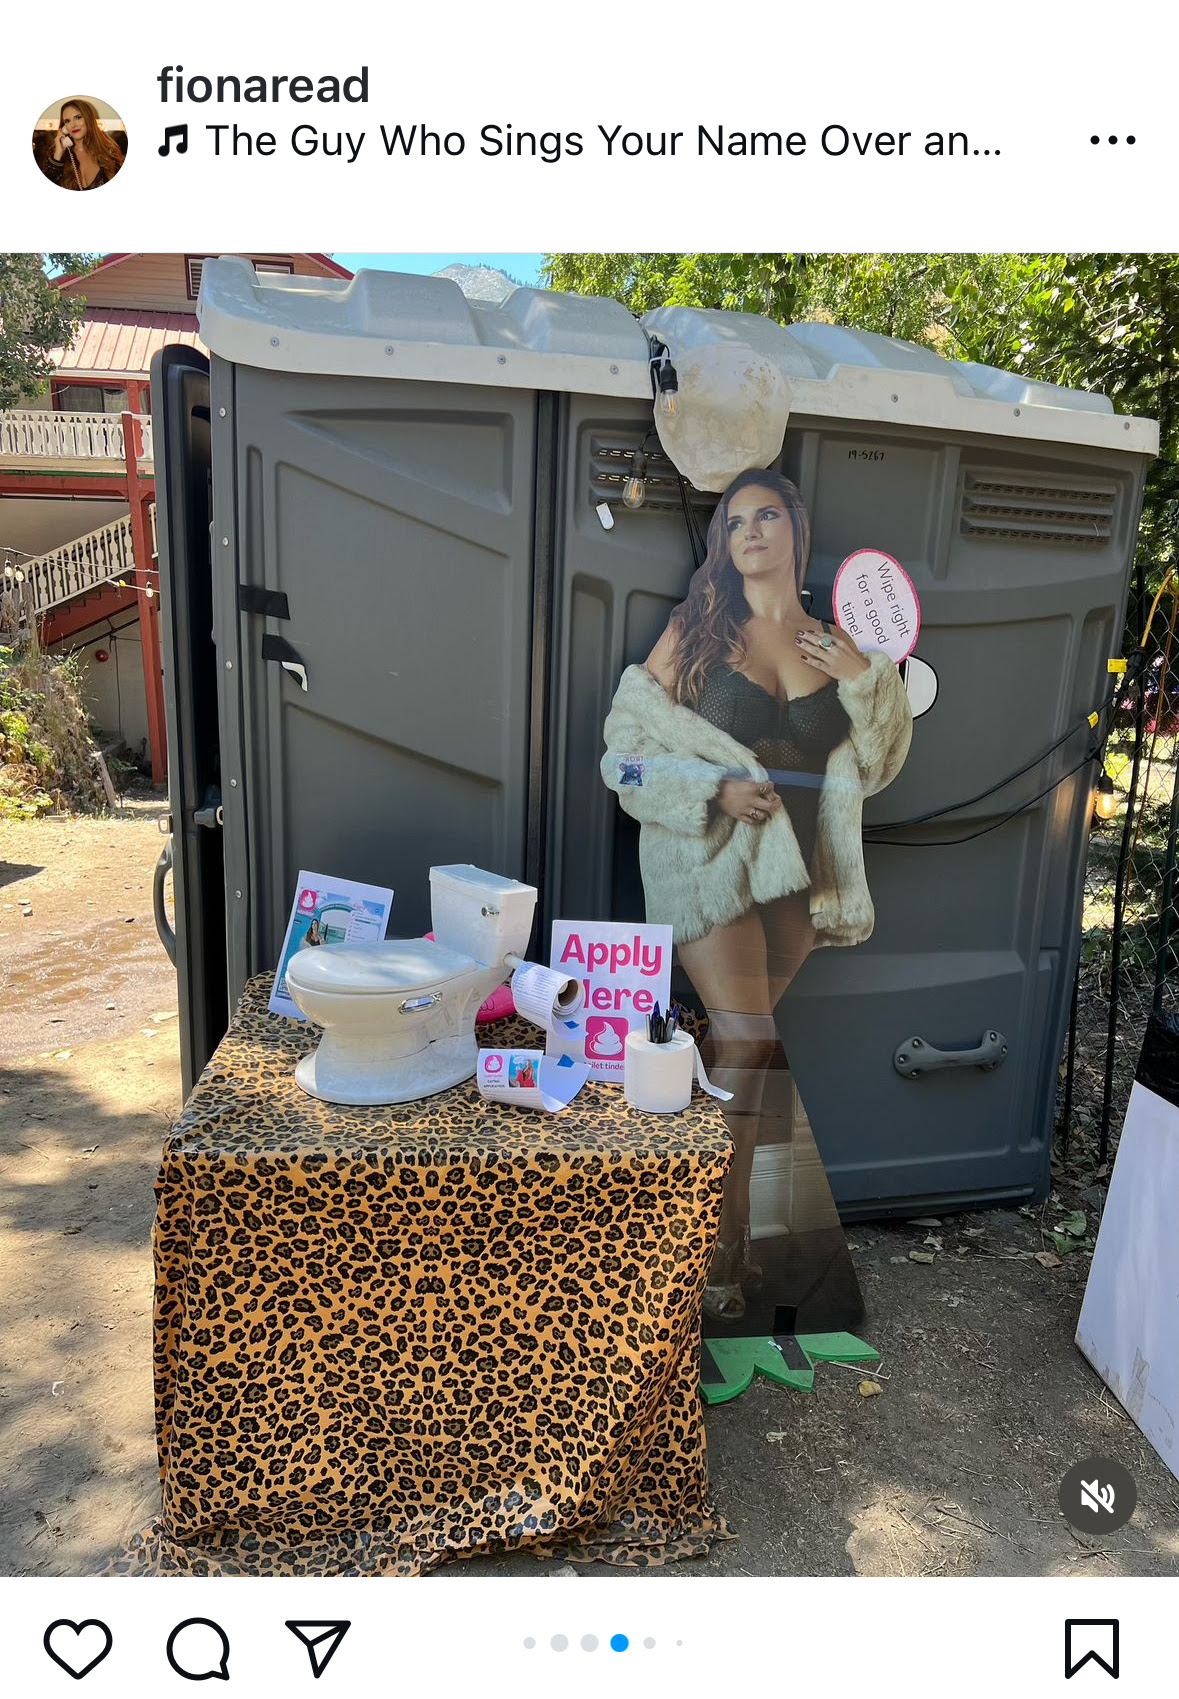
321,1640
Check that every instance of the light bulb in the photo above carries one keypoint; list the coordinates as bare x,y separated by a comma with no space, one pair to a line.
668,398
634,490
1105,798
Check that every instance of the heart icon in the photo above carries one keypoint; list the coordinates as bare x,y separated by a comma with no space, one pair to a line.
81,1646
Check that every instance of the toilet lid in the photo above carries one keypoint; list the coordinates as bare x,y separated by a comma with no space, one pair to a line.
402,964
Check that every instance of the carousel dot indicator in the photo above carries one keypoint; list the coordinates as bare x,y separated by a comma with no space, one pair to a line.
529,1644
618,1642
559,1643
648,1643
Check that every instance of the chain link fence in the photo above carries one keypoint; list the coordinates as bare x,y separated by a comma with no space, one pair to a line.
1129,959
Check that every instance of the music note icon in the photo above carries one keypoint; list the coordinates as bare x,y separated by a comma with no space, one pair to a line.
180,130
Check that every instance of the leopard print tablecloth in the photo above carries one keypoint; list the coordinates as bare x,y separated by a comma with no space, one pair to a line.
385,1338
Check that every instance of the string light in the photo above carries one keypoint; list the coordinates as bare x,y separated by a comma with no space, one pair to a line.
1105,798
634,490
668,397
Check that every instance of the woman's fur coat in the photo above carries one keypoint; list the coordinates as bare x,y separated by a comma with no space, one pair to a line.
701,868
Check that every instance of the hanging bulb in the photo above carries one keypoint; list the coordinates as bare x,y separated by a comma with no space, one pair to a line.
1105,798
668,400
634,490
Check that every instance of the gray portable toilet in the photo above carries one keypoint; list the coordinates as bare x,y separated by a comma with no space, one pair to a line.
420,620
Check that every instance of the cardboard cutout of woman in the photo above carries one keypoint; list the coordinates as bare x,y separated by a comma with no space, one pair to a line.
756,731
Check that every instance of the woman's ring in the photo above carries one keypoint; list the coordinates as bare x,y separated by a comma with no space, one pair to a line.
826,642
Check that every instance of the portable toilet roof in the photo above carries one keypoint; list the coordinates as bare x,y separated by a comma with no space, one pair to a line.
386,324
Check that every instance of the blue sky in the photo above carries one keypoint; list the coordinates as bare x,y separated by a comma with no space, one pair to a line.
524,267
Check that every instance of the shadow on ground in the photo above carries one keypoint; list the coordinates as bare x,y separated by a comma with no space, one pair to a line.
79,1149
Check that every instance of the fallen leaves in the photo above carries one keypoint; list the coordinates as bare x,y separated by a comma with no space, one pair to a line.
1071,1232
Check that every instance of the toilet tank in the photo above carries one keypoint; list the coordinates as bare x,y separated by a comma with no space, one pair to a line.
480,914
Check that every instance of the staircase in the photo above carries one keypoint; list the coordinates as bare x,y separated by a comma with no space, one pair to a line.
32,586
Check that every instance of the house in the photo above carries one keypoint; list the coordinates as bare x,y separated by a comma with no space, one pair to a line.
77,485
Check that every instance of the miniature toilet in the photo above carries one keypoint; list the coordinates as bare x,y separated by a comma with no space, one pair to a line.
398,1018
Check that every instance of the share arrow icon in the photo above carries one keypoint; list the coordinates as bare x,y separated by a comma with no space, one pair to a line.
321,1640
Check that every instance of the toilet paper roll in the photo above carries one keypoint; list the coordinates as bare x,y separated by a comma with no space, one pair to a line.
545,996
657,1078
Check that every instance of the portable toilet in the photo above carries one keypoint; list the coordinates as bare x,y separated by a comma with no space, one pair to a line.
394,630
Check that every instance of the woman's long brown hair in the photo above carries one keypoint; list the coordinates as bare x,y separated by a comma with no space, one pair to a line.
708,625
105,152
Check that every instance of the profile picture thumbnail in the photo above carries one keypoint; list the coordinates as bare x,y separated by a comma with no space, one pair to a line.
80,143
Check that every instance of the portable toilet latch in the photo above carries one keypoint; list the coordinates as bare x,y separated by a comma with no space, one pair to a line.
289,659
210,813
916,1056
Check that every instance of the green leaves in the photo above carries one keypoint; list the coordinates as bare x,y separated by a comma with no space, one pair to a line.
35,318
1104,322
1070,1233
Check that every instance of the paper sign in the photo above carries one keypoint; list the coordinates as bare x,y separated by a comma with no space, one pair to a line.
875,602
529,1079
624,970
328,911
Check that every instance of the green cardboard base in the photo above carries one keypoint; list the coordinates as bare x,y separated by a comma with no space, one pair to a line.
741,1360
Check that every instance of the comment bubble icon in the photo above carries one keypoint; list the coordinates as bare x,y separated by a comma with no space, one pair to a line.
199,1650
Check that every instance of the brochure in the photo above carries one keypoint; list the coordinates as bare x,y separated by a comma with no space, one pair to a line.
328,911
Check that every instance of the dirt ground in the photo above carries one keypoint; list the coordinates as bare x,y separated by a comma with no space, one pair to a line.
952,1469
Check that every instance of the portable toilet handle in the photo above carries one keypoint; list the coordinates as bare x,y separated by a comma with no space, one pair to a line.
916,1056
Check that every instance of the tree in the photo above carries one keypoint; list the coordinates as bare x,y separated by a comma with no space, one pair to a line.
1105,322
772,284
35,318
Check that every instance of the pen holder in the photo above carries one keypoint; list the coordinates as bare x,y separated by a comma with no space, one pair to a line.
657,1078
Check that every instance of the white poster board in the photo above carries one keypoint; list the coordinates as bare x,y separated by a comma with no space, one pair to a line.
624,970
1129,1324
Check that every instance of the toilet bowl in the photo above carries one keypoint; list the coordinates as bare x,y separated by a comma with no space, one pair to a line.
398,1018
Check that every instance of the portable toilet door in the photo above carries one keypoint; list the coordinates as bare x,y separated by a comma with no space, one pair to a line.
1013,506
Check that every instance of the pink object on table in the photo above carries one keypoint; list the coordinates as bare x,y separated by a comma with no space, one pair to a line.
497,1007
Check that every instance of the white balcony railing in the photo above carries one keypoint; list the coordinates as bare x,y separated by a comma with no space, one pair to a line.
33,437
32,586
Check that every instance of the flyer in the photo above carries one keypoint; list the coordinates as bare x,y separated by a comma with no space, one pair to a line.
327,911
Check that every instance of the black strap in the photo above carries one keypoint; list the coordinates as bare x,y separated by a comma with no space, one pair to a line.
256,599
278,649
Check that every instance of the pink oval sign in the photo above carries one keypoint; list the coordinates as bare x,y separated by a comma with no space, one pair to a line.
875,602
